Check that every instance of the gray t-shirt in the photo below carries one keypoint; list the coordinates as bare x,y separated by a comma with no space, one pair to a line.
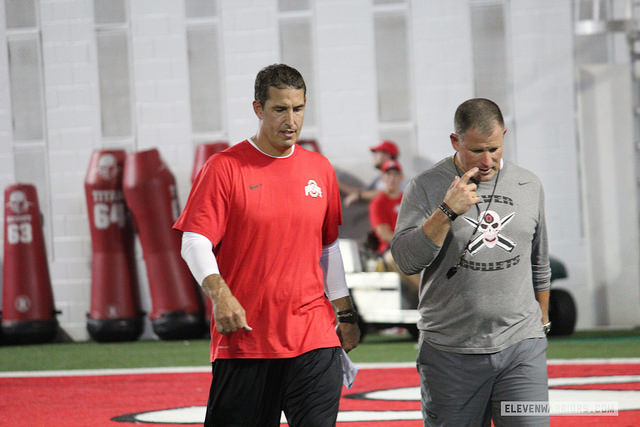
489,304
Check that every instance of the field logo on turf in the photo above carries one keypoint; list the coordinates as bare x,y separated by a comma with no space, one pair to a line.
602,395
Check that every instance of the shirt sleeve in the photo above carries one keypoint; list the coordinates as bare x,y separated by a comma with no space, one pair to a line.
333,217
540,267
207,207
412,250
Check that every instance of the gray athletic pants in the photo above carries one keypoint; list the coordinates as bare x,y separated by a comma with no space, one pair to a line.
466,389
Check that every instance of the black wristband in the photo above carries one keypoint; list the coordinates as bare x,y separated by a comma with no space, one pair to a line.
448,211
347,311
348,318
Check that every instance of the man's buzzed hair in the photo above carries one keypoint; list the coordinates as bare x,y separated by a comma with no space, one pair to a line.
479,113
277,75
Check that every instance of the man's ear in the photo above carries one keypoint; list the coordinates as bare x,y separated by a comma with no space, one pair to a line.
455,141
257,108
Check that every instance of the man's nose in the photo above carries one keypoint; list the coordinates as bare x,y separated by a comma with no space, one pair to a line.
486,158
289,117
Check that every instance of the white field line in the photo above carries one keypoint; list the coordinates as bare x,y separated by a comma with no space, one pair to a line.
200,369
612,361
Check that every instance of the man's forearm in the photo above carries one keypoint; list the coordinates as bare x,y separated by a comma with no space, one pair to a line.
342,304
436,227
347,329
214,285
228,313
368,194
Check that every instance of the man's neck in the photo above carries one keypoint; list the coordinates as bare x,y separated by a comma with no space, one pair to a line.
393,193
269,149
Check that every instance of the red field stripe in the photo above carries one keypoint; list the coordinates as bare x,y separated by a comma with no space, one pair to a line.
95,400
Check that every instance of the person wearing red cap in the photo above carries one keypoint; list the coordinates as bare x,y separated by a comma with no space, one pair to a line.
383,213
382,152
386,150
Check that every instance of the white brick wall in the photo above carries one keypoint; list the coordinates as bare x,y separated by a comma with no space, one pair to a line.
72,110
6,148
250,42
345,99
542,51
606,122
161,89
443,70
346,88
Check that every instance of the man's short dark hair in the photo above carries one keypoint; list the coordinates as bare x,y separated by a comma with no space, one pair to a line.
480,113
280,76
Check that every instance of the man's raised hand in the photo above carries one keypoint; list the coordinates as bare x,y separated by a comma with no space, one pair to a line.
461,194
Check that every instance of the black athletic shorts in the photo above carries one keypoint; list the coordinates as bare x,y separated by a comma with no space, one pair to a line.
254,392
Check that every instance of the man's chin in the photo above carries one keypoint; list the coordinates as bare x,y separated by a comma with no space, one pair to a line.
290,140
284,145
289,143
484,177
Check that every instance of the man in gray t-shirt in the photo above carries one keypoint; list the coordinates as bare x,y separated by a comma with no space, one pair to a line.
474,226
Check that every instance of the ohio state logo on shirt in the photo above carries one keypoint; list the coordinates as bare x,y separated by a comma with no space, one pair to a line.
312,189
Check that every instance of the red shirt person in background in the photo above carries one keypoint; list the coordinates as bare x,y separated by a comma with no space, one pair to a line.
383,213
386,150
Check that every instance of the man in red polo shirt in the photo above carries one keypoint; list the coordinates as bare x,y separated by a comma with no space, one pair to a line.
260,232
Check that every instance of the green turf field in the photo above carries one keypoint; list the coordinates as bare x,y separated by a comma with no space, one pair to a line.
374,348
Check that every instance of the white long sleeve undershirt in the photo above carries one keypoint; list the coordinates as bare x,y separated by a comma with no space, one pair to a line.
197,251
335,283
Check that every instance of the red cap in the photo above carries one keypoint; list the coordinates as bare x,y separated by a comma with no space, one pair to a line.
391,164
387,146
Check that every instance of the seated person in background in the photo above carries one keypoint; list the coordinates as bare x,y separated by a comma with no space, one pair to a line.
382,152
383,213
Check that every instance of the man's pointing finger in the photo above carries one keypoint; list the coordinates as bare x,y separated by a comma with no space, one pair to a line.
468,175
